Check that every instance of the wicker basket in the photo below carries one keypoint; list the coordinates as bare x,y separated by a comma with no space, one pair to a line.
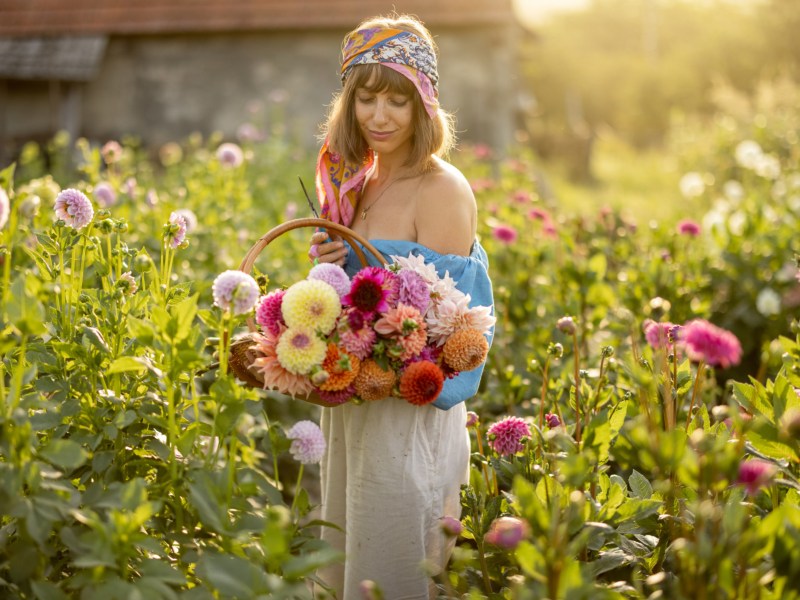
240,355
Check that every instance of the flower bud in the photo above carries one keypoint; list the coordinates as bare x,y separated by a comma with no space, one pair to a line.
552,420
142,263
472,419
507,532
566,325
451,526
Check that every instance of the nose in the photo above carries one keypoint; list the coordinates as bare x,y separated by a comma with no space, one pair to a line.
381,114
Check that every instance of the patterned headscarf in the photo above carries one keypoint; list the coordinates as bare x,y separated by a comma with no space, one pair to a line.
338,184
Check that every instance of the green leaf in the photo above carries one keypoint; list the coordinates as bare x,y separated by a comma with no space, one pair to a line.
301,566
232,576
640,486
125,364
44,590
65,454
754,399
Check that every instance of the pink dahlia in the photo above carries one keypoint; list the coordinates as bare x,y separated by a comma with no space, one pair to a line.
708,343
507,532
105,194
552,420
521,196
74,208
275,376
338,396
755,474
689,227
190,217
659,335
539,214
308,442
268,311
373,290
230,155
505,234
472,419
356,334
333,275
235,290
175,229
413,290
505,437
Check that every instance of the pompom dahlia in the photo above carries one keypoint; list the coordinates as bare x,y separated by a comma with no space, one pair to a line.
235,290
373,289
275,376
230,155
308,442
311,304
105,194
465,350
341,367
505,436
372,382
708,343
333,275
300,350
268,312
176,229
421,383
74,208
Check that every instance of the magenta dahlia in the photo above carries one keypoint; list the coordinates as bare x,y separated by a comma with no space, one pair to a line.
268,311
505,436
705,342
373,290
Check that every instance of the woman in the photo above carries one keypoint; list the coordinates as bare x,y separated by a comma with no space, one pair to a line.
393,470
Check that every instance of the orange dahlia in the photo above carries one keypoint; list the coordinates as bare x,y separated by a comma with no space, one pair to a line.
341,367
465,349
372,382
421,383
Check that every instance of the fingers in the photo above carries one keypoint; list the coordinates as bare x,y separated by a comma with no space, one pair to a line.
327,249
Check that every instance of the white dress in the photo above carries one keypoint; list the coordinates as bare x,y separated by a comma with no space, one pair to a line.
390,473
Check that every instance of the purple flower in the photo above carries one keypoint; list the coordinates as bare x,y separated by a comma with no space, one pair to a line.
505,234
5,208
708,343
552,420
105,194
658,335
230,155
451,526
308,442
689,227
413,291
373,290
333,275
472,419
235,290
176,229
755,474
505,437
507,532
268,312
129,187
566,325
74,208
189,217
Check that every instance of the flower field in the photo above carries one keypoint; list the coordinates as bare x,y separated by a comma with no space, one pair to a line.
636,433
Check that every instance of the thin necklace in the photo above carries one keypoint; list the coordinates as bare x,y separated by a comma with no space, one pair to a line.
374,202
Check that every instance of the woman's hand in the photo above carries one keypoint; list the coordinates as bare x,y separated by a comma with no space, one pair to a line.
327,248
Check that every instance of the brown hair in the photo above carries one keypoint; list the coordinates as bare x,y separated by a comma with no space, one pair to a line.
431,135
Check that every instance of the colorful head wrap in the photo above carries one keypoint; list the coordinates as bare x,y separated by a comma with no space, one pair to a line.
337,183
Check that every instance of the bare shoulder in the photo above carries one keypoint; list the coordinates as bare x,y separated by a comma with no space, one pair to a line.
446,213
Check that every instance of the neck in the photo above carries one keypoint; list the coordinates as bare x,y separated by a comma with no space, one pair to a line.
388,168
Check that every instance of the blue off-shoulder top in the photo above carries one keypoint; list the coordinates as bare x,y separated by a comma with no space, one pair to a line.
471,274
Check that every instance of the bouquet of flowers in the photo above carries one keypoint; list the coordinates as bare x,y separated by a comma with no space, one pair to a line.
398,331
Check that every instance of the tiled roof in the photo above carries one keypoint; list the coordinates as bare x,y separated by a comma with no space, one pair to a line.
80,17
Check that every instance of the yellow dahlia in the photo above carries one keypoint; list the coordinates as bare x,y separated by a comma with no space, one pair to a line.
311,304
372,382
341,367
299,350
275,376
465,349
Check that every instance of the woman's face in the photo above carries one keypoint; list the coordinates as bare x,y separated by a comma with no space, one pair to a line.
385,119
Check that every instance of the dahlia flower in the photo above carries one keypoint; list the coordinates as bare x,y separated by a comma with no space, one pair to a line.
5,208
176,229
465,350
755,474
74,208
505,437
507,532
339,396
373,382
552,420
450,315
230,155
398,321
421,383
658,335
105,194
472,419
333,275
275,376
373,290
505,234
127,284
300,350
417,264
341,368
308,442
356,335
689,227
189,217
268,311
111,152
708,343
235,290
413,290
311,304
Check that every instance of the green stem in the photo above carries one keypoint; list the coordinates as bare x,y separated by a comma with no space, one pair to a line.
700,369
544,392
487,582
232,465
16,385
577,374
297,488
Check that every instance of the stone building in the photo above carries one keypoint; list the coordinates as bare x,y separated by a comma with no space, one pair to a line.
162,69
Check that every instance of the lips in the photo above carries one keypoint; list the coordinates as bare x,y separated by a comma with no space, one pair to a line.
380,135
